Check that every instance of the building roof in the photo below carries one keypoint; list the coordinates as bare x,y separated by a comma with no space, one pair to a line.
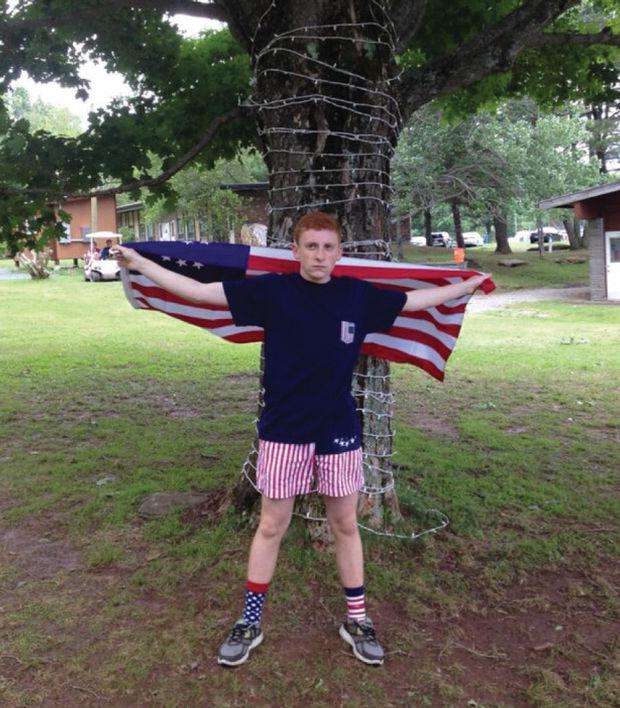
568,200
132,206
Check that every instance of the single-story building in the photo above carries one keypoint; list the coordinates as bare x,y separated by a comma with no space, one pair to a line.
600,206
175,225
169,227
88,214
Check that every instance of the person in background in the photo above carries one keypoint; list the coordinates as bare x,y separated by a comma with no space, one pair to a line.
105,251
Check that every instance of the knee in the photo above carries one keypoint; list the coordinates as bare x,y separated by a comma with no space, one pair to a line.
271,528
344,525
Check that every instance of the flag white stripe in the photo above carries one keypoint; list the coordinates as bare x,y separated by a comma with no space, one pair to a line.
417,349
423,326
439,317
175,308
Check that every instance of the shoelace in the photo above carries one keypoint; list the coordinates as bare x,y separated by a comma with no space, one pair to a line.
368,631
238,633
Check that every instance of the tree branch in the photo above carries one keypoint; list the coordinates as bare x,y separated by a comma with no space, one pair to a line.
215,125
557,39
493,50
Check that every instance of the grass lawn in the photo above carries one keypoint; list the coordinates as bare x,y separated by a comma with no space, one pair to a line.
537,273
514,604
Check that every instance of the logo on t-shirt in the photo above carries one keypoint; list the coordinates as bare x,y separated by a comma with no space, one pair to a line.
347,331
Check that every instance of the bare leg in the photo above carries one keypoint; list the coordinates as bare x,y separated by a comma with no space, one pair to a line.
342,518
275,518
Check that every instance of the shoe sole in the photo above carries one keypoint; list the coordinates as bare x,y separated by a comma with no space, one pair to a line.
349,640
255,642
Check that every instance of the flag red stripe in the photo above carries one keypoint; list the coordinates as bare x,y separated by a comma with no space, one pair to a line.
394,272
399,357
245,337
413,335
424,315
155,291
271,264
237,337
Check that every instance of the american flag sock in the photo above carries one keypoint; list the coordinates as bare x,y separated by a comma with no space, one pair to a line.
255,595
356,604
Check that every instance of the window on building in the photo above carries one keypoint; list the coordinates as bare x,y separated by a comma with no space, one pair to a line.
614,249
67,235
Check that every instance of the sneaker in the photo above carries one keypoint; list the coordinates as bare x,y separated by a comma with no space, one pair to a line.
236,649
363,640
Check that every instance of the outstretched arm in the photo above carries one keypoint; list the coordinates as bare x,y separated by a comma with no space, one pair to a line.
181,285
430,297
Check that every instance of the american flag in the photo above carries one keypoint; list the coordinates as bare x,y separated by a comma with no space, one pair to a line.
424,338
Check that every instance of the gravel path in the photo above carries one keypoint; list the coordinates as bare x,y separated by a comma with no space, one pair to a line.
482,303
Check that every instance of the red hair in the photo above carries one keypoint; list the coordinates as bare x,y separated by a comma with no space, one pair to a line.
319,221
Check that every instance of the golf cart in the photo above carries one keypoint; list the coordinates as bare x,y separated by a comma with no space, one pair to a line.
96,266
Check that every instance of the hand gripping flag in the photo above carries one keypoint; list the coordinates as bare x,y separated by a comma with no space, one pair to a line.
424,338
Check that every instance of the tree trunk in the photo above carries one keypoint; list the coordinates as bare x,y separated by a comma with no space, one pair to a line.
501,234
573,236
399,238
541,236
329,122
488,223
600,135
580,234
36,263
456,218
428,227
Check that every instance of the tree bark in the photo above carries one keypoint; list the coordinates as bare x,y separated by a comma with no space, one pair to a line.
600,131
456,218
541,236
36,263
580,234
501,234
428,227
329,122
573,236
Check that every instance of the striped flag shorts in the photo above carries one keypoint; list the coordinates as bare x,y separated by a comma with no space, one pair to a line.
285,470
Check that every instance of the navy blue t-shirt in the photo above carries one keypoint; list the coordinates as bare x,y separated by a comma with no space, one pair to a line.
313,335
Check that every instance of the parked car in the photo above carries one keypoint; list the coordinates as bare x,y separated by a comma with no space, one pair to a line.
549,233
441,238
472,238
418,241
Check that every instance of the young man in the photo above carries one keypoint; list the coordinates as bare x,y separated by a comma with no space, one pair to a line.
309,431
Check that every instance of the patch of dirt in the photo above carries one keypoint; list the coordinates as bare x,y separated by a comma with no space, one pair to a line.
556,620
244,376
208,511
436,426
552,621
36,554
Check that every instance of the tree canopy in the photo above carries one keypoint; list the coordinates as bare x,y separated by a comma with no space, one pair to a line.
200,99
493,164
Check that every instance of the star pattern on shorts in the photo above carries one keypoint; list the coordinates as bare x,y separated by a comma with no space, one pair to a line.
345,442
